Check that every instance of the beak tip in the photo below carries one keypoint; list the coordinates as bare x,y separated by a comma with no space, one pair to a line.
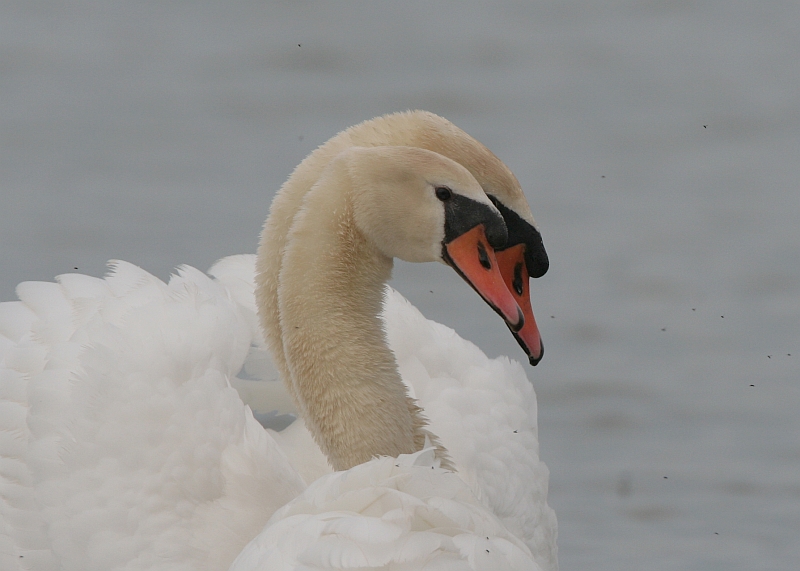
535,360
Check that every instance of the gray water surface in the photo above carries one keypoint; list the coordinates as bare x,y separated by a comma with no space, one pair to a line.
658,143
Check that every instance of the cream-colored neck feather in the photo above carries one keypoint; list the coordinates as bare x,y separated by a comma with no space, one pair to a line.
368,206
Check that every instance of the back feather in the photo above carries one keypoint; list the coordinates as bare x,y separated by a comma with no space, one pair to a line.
122,442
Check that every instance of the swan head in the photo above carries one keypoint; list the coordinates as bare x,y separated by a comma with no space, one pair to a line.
420,206
523,254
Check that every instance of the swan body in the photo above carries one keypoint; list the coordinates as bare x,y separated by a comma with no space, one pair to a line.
124,444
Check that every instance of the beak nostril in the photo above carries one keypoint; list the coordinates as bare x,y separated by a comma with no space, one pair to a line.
483,256
517,284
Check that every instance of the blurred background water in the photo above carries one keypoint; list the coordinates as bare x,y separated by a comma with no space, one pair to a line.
658,143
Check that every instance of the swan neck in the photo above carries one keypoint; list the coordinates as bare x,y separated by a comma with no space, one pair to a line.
330,296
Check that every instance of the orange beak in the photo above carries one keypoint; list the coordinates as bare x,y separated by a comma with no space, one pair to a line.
515,276
472,257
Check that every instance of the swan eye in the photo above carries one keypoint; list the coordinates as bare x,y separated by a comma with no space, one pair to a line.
443,193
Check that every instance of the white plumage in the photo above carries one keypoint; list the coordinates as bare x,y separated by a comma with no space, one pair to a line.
124,446
125,440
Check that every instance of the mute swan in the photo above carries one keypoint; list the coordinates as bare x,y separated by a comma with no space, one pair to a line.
123,445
